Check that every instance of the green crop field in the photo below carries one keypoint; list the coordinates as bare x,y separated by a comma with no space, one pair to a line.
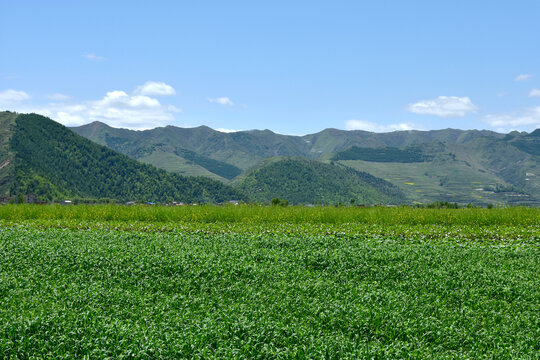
261,282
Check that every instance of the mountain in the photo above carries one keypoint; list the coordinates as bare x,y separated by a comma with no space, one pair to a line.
477,166
302,181
49,160
169,147
482,170
239,150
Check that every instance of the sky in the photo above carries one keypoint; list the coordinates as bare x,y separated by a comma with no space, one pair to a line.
294,67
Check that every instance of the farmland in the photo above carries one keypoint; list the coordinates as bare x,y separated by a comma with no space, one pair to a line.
264,282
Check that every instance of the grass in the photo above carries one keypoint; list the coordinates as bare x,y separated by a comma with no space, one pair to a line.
513,216
261,282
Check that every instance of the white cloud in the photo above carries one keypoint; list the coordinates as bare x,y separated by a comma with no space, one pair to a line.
11,97
530,119
443,106
221,101
534,93
155,88
227,130
374,127
523,77
57,97
117,108
120,99
93,57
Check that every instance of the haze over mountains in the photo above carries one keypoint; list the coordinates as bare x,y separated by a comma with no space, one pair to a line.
41,157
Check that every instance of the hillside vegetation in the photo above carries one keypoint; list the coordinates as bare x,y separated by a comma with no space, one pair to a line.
53,162
302,181
245,149
483,170
241,150
464,166
385,154
7,124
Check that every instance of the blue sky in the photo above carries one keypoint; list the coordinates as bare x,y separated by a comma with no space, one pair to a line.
294,67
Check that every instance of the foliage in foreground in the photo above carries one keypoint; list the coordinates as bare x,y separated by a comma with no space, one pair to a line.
268,282
102,293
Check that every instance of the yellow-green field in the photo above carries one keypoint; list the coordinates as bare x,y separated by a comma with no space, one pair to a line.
256,214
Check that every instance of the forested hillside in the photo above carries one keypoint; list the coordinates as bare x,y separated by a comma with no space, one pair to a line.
51,161
384,154
302,181
7,124
481,167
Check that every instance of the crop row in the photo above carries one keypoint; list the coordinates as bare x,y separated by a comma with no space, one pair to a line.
465,234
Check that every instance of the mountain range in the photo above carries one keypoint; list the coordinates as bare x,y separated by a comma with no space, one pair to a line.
41,157
477,166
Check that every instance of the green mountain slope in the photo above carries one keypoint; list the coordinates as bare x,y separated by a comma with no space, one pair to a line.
51,161
334,140
244,149
302,181
509,162
7,124
155,147
468,163
223,154
410,154
481,171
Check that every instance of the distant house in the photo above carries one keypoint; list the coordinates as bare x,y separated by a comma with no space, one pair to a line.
66,202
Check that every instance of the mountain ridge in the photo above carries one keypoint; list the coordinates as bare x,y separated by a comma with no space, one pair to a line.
51,162
471,160
478,166
244,149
